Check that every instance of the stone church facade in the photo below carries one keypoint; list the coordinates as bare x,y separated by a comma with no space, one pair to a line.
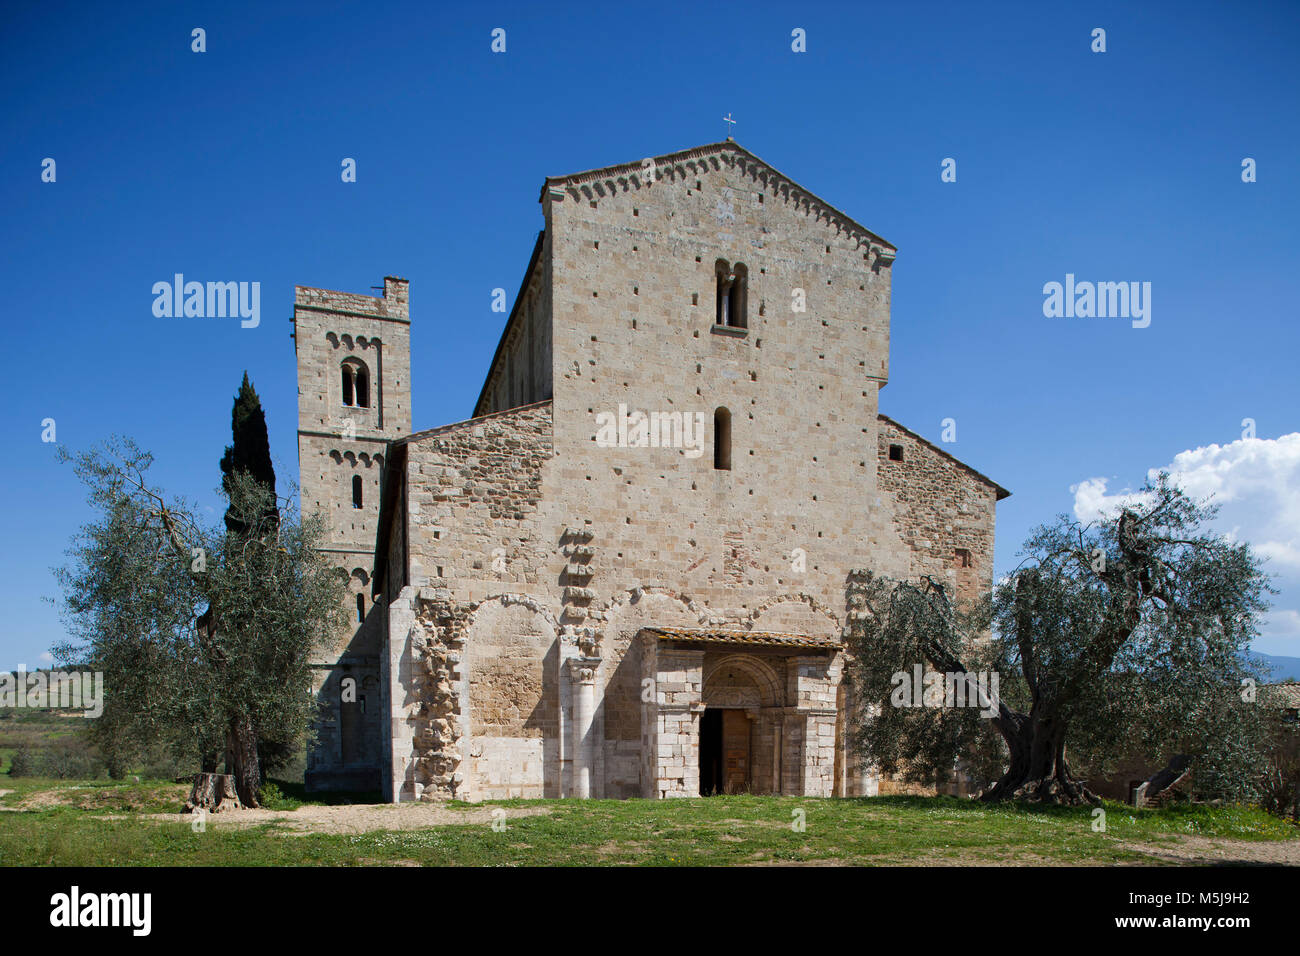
628,574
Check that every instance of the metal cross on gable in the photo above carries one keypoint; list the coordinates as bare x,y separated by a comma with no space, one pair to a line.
732,122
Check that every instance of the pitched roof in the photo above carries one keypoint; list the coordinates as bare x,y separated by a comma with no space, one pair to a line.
707,635
1281,695
1001,492
515,312
633,170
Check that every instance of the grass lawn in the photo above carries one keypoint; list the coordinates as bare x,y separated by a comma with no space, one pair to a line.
103,823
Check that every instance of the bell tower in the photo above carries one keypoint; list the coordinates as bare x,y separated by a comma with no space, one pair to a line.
354,396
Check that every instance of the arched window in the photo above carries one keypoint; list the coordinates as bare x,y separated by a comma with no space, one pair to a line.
733,294
737,296
361,608
356,491
356,384
722,440
723,273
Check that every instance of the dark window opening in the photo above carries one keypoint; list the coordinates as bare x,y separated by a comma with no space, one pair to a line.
361,608
732,294
736,296
962,558
356,384
722,440
362,388
723,274
356,491
895,452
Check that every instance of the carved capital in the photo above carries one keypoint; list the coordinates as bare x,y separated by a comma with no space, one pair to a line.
583,669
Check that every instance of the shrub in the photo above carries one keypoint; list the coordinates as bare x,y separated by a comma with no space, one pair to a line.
70,763
272,798
1280,788
25,763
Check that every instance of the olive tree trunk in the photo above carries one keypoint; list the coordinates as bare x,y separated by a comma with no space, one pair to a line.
213,792
241,755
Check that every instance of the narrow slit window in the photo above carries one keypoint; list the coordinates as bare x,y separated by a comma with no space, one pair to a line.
361,608
356,491
722,440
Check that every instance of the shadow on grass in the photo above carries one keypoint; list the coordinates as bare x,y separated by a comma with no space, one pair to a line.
299,794
965,805
1243,821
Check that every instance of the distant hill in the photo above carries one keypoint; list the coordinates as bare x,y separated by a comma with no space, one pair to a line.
1284,668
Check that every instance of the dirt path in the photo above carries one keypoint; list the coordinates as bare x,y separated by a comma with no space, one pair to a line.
1182,851
357,818
1201,851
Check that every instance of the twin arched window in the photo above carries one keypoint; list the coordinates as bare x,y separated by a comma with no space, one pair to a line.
733,294
356,384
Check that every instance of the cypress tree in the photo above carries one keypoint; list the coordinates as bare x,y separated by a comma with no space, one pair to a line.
250,451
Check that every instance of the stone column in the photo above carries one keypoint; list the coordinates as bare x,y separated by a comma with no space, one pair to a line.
582,674
682,680
813,688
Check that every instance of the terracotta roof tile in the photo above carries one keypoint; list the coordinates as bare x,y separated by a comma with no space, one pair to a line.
752,638
1281,695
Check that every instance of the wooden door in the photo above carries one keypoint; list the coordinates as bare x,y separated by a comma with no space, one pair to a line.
735,752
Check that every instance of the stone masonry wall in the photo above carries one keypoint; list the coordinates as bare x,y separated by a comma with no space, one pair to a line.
634,287
471,537
768,544
474,492
521,371
941,507
337,442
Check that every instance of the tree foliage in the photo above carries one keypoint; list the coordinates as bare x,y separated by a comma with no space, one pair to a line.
250,449
1124,636
203,633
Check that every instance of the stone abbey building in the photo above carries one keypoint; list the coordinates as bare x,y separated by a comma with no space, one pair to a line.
627,574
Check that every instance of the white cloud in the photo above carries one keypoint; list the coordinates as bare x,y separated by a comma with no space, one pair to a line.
1091,500
47,658
1255,481
1282,623
1280,629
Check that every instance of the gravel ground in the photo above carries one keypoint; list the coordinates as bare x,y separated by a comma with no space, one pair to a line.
359,818
1196,850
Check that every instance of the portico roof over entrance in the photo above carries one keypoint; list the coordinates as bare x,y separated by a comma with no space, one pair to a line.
749,638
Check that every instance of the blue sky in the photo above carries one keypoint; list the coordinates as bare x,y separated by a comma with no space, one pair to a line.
1115,166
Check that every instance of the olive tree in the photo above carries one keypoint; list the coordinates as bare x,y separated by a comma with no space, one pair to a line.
203,630
1124,635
